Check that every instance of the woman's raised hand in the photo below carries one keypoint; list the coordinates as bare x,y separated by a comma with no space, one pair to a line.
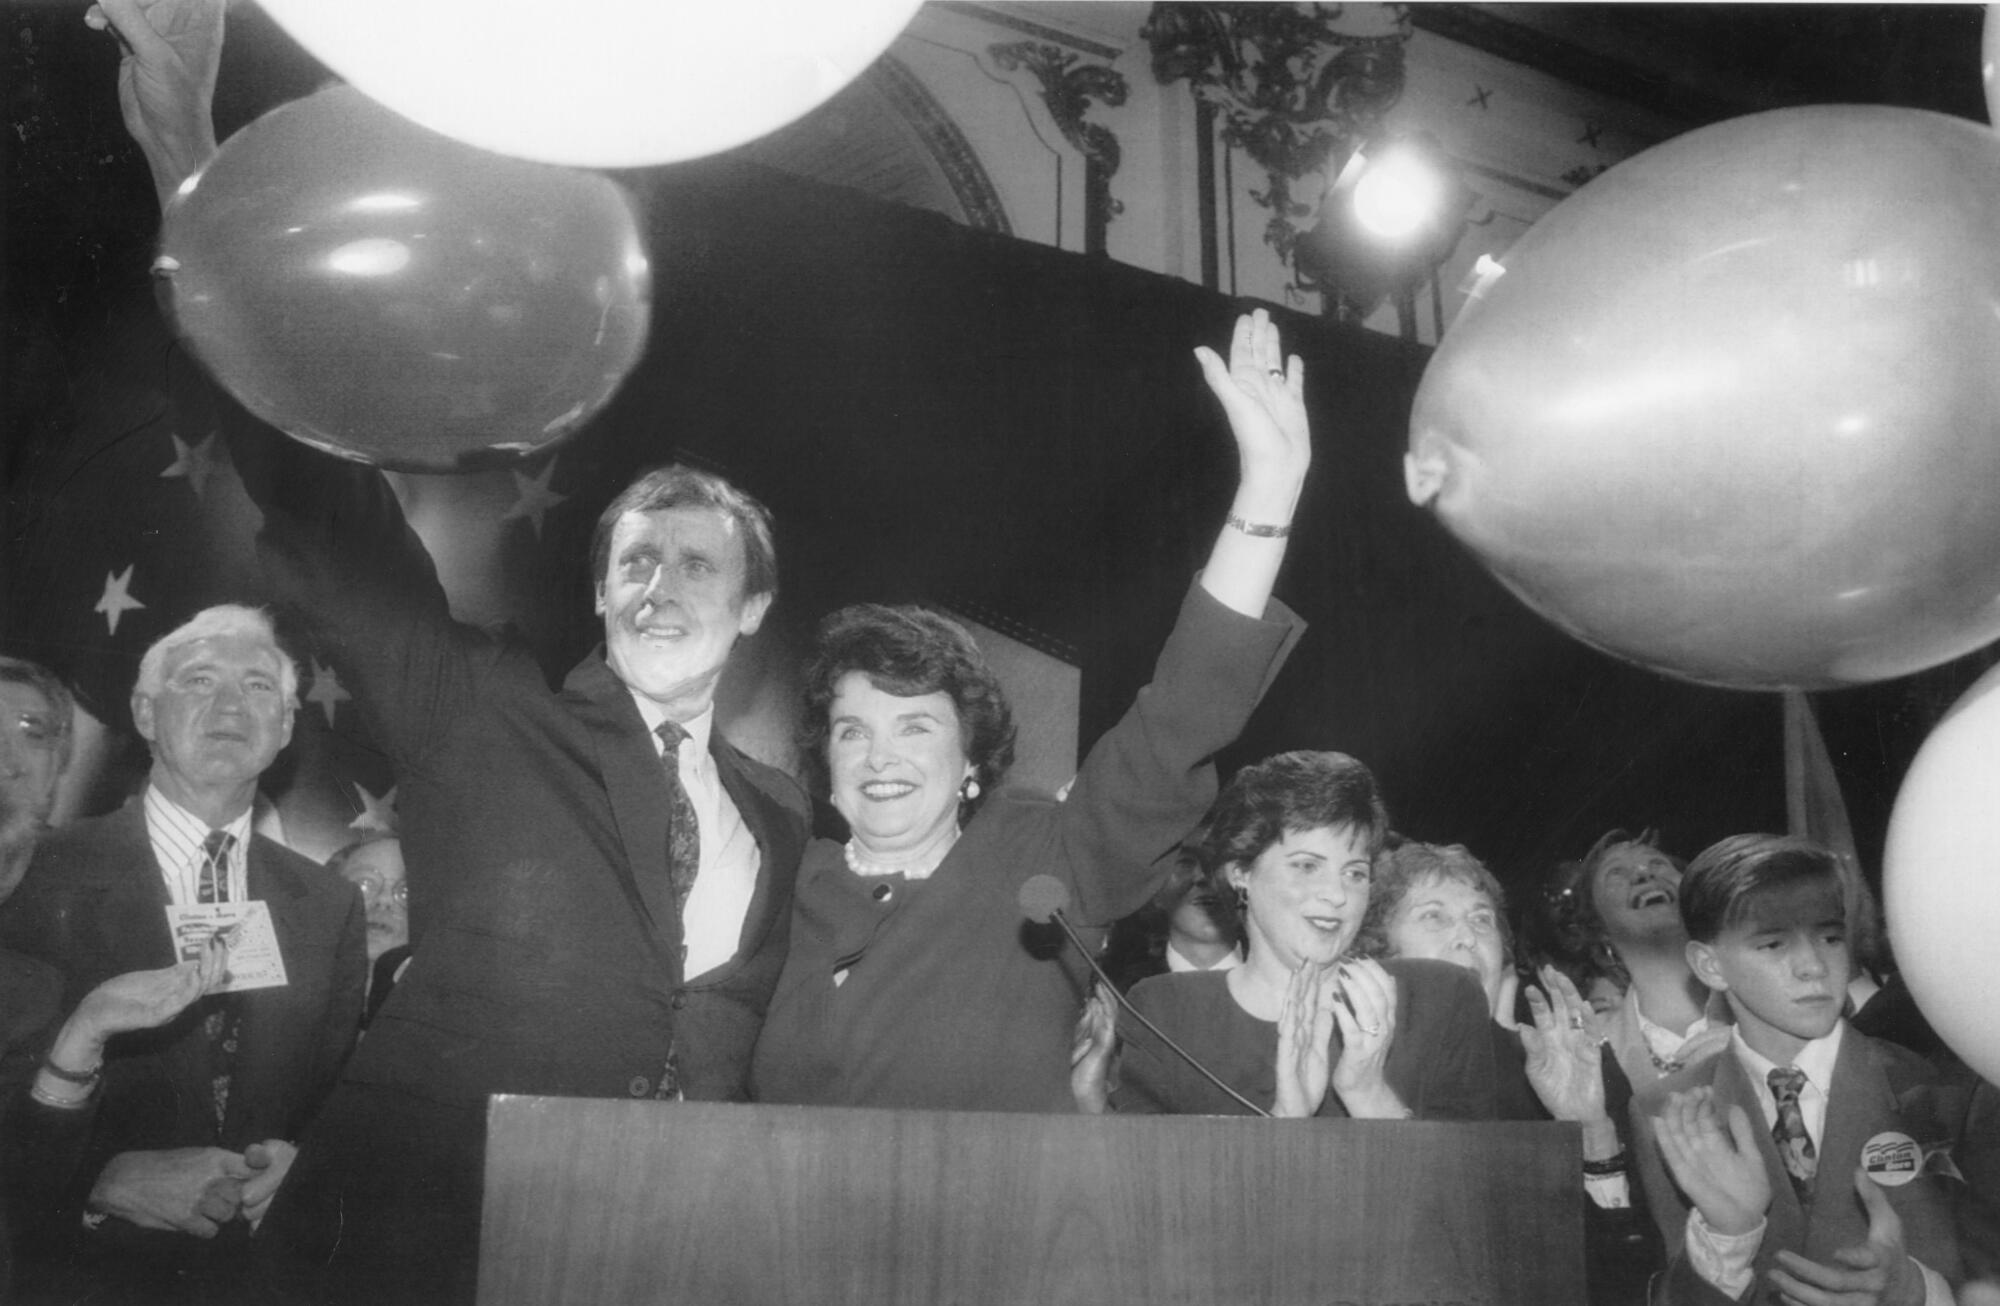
1564,1065
1263,394
1264,398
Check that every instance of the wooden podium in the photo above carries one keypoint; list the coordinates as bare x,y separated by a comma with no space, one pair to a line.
612,1202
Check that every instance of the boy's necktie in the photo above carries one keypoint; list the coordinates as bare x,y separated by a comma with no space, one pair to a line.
1795,1148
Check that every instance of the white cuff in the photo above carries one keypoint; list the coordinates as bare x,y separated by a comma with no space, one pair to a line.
1609,1192
1723,1260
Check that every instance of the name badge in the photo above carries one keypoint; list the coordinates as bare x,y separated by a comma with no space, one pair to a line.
254,961
1892,1159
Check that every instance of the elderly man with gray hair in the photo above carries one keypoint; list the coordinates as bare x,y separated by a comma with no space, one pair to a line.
157,1150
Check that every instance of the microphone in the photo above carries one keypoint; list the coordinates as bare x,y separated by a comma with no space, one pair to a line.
1042,900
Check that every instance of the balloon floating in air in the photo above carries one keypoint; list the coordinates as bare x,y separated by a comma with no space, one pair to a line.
598,83
1941,877
1732,411
399,298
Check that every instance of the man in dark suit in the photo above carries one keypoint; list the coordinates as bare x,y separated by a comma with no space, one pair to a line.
146,1148
594,911
600,885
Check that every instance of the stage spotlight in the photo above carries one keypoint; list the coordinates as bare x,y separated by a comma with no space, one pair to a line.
1394,213
1399,193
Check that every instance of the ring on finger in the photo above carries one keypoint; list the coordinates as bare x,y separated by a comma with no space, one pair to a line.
1278,372
1371,1030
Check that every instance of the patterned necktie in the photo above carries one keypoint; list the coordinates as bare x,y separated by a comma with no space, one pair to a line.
1795,1148
224,1022
683,833
214,885
683,860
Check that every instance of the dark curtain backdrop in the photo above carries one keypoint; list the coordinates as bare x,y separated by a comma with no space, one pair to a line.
940,414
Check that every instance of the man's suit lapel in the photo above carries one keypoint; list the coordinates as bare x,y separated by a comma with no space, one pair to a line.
128,896
630,767
1734,1087
779,843
1861,1106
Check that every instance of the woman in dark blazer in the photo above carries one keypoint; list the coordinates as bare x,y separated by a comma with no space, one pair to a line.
913,980
1304,1027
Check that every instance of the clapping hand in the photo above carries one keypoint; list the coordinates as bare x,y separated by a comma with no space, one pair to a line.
1366,1013
1305,1031
1874,1272
1090,1052
1718,1168
1564,1065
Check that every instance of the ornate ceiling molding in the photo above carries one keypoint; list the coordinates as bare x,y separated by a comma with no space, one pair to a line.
1290,89
1069,88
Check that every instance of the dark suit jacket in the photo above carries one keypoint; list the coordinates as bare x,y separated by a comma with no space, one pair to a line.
534,827
1877,1088
1440,1062
93,905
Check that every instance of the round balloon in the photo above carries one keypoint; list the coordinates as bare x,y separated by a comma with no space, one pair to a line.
598,83
1732,410
1941,877
393,296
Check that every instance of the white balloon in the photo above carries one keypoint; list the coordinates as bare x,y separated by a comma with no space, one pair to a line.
1941,877
597,83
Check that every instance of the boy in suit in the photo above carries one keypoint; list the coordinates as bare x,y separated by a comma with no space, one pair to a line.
1802,1159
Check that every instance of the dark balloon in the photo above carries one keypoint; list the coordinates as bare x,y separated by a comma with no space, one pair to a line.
395,297
1732,411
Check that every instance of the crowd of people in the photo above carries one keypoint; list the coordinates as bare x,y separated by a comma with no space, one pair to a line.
233,1074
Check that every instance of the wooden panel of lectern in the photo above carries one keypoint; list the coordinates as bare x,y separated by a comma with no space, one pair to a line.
605,1201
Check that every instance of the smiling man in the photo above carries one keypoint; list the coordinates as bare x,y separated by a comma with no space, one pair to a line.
599,883
152,1159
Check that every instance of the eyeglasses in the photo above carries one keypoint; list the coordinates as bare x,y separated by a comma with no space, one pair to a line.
372,890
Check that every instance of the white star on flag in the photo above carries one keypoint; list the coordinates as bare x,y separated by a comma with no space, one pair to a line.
116,601
195,462
536,498
327,690
376,813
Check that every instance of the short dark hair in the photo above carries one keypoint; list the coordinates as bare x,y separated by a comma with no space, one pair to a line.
678,486
1726,877
62,705
1291,793
907,650
1402,865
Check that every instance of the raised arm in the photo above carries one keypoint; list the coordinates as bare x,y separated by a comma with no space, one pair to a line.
166,81
1264,397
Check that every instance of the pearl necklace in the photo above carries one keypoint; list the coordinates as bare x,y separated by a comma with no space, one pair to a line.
919,867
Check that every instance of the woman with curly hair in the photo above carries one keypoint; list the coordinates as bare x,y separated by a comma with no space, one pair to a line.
912,980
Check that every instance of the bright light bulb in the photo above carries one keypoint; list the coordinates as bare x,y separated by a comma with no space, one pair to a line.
1397,195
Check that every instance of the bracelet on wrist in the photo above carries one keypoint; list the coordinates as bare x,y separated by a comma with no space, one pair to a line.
85,1078
1610,1165
48,1099
1259,530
